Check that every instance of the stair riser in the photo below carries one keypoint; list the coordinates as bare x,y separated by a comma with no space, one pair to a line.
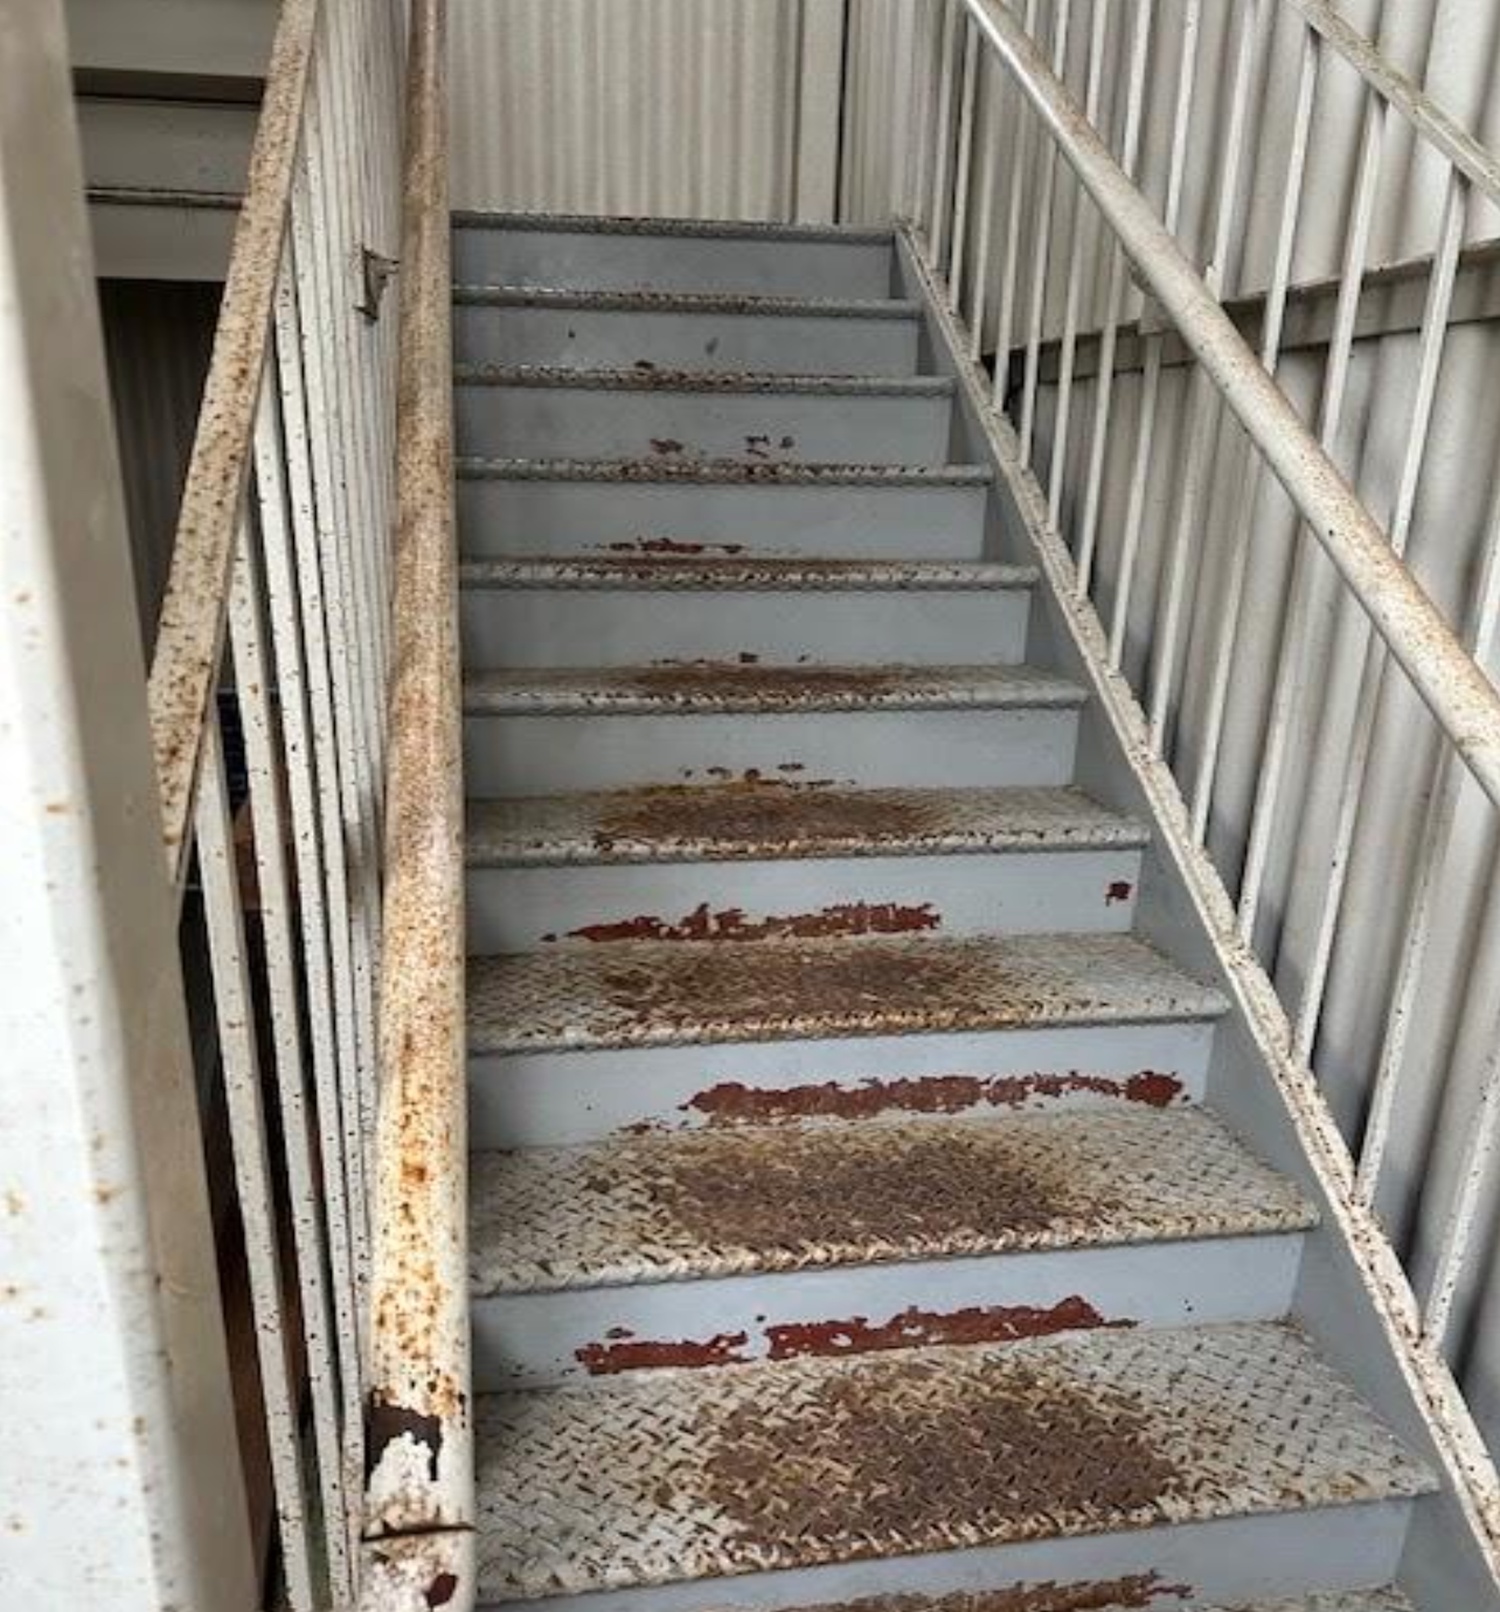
533,1340
548,1099
543,755
513,909
575,627
1233,1562
787,344
751,427
590,261
499,516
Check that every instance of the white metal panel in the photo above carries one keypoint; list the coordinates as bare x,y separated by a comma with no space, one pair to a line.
691,108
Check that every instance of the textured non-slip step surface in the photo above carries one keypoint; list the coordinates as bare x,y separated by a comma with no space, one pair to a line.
659,468
714,687
692,574
707,1204
715,302
772,819
695,1474
554,377
1066,1598
663,993
732,229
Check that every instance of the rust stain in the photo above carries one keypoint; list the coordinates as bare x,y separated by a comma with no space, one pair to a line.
914,1328
732,1102
671,545
624,1353
1133,1590
731,924
442,1589
1020,1450
386,1424
1118,890
666,445
690,677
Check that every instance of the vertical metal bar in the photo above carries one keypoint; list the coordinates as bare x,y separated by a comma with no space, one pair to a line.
1201,798
234,1010
920,156
1203,406
1376,660
937,215
965,155
278,764
1026,131
1293,641
1114,307
1042,247
1069,348
989,132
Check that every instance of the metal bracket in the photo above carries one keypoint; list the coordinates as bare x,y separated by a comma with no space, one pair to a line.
377,273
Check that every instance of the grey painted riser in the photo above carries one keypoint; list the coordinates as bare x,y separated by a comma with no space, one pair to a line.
553,1099
587,260
499,516
1232,1562
541,755
789,344
754,427
575,627
512,909
527,1340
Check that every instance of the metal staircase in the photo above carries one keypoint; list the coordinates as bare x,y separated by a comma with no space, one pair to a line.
851,1220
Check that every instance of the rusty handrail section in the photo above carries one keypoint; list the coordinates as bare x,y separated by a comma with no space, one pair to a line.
419,1448
184,667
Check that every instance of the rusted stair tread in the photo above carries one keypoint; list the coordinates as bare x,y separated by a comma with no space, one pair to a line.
729,688
760,819
664,993
1036,1600
572,377
681,1475
715,302
722,472
714,229
722,1203
656,572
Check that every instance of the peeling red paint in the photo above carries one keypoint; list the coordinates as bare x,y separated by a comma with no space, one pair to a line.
442,1589
671,545
914,1328
607,1359
732,1102
1118,890
731,924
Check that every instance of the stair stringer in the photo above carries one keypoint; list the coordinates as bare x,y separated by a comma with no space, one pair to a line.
1353,1295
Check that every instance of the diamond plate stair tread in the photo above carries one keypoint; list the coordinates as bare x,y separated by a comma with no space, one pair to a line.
653,572
665,993
1036,1599
730,688
679,1475
725,229
714,302
771,819
711,1204
660,378
722,472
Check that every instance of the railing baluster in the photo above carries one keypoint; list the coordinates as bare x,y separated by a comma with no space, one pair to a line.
965,155
988,123
937,214
1006,308
1295,629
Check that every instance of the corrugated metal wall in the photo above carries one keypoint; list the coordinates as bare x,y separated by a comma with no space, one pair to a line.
1450,47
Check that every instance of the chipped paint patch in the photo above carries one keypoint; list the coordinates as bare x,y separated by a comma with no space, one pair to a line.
671,546
914,1328
1133,1590
733,924
621,1352
1118,890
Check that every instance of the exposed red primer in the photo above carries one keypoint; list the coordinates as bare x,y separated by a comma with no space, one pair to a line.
914,1328
732,1102
442,1589
1119,890
731,924
607,1359
671,545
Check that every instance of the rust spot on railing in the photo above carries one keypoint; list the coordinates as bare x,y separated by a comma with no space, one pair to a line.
915,1328
385,1424
731,924
732,1102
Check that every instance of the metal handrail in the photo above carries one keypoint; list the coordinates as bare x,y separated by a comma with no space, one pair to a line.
1451,683
419,1453
185,665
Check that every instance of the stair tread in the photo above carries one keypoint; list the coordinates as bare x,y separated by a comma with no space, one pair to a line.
721,472
729,687
699,1204
1384,1600
726,229
715,302
775,819
685,1475
659,378
664,993
691,573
